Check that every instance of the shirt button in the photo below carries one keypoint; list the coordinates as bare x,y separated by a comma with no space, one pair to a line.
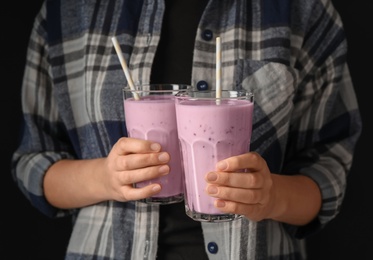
212,247
202,85
207,35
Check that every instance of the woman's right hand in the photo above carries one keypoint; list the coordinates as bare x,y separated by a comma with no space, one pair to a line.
78,183
130,161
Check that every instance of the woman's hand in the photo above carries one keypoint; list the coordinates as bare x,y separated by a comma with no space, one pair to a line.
244,185
248,193
131,161
78,183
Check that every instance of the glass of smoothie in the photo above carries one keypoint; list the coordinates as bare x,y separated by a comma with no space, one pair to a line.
150,115
211,129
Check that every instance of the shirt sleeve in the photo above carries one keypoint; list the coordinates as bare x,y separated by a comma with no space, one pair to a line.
326,122
44,138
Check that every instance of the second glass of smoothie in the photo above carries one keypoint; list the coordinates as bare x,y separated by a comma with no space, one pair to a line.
152,117
211,129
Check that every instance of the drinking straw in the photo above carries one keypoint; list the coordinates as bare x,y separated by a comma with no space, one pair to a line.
124,67
218,68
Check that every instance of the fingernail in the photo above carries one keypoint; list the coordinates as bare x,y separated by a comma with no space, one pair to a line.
156,188
163,169
212,190
155,147
163,157
222,166
212,176
220,204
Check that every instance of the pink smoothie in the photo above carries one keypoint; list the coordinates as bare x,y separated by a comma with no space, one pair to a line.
153,118
209,133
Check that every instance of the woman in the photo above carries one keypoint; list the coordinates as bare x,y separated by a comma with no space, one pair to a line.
75,158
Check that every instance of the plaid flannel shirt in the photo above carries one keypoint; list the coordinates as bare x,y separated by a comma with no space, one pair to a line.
290,54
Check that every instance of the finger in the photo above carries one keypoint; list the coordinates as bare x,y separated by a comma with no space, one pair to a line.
247,196
126,146
251,161
252,211
136,161
144,174
133,194
238,180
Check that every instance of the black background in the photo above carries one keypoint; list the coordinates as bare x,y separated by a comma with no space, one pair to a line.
26,234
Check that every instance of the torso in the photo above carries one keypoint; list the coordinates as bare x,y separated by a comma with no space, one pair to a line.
179,235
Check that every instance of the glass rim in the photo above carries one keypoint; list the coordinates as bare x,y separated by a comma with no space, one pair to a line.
238,94
157,87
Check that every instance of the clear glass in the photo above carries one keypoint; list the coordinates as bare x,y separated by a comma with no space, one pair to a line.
210,129
153,117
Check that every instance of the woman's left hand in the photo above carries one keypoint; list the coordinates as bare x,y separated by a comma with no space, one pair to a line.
243,185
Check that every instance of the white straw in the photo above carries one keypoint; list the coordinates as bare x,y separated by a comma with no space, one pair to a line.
218,68
124,67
